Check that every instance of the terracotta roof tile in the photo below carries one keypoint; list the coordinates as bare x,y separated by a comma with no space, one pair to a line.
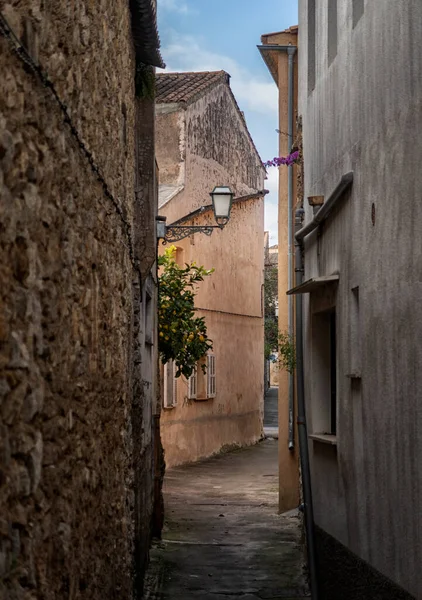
186,87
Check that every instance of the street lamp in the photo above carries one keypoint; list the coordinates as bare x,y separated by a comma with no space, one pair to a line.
222,198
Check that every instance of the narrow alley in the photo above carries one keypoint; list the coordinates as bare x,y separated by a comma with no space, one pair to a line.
223,537
271,412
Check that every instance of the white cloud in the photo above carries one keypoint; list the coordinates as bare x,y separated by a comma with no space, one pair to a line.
185,53
174,6
271,205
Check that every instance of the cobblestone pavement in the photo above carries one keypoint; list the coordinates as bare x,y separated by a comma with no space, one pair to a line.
223,537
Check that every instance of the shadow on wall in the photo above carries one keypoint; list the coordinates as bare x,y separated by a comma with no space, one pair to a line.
340,569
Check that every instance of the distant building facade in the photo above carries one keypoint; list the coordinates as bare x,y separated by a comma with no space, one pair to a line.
77,252
360,90
271,367
279,51
203,141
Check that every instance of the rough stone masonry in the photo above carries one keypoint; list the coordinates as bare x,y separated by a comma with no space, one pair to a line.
68,508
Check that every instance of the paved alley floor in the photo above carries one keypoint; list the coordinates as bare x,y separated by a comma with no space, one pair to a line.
223,537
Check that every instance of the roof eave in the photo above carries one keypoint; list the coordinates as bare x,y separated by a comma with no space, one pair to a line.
145,33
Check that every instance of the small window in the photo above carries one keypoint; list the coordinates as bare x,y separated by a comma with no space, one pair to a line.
358,9
180,256
355,335
324,369
333,374
211,376
332,30
170,385
201,386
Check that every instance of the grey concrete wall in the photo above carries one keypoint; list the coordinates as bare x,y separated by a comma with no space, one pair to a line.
365,116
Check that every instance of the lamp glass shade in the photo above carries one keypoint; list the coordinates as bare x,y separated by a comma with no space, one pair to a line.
222,197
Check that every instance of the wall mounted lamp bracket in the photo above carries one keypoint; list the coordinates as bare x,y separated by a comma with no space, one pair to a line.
222,198
174,233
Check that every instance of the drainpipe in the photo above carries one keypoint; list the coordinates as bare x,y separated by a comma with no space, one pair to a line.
300,233
301,418
290,52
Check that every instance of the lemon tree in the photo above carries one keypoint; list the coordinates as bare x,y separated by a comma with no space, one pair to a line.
182,336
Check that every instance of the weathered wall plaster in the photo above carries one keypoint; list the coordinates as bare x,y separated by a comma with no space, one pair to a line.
218,151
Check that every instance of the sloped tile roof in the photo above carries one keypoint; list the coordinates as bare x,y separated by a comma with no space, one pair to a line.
186,87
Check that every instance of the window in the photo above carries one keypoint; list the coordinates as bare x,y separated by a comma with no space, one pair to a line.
180,256
333,374
355,335
202,386
311,46
192,385
332,30
358,9
324,370
169,385
210,376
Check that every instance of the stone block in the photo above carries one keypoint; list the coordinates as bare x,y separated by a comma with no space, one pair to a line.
12,404
33,403
5,454
20,480
35,462
4,388
19,352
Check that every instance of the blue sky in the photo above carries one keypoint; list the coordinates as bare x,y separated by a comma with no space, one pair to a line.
209,35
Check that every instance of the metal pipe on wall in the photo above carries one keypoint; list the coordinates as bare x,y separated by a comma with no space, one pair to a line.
300,233
290,52
301,418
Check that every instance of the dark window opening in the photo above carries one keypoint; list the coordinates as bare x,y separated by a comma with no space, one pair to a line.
333,375
332,30
358,9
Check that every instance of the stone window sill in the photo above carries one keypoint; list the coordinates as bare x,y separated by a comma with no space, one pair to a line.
169,407
324,438
202,399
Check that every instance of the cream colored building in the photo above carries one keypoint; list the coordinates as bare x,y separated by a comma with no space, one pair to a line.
203,141
279,51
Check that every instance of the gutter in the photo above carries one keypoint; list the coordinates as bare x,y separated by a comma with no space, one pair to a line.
326,208
291,50
308,509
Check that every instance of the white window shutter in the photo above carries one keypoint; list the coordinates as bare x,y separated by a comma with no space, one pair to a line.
192,385
170,385
211,376
174,394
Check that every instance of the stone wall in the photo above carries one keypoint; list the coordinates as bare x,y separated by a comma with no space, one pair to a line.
71,387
